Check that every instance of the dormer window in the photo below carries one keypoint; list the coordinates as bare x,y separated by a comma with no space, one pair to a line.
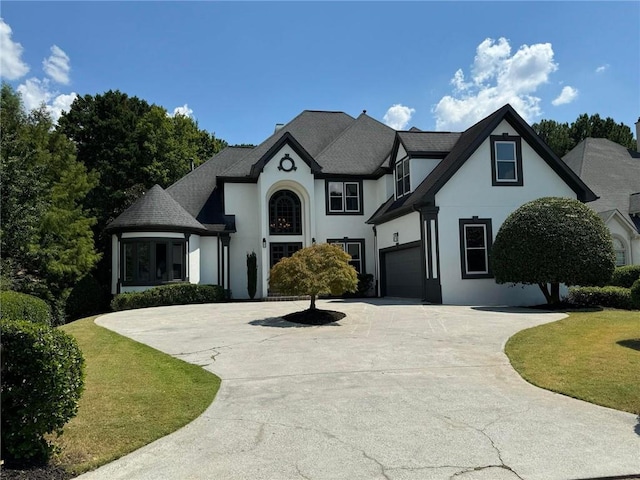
403,178
506,160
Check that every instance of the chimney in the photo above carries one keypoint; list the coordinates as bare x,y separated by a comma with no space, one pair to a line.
638,135
280,125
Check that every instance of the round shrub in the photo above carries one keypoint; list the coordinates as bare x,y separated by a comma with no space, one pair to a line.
552,241
20,306
86,298
178,294
625,276
635,294
42,380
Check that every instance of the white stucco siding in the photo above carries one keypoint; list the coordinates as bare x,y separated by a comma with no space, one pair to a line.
152,235
419,168
470,193
407,227
209,260
241,200
194,259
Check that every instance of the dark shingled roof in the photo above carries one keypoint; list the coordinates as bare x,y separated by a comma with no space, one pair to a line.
417,142
197,191
313,130
156,210
359,150
611,170
466,144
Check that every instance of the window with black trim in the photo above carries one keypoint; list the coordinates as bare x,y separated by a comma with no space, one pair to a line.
506,160
153,261
355,248
285,213
344,197
475,247
403,178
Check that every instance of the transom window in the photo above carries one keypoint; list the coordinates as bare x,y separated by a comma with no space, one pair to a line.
621,252
475,247
403,178
285,213
344,197
153,261
355,248
506,160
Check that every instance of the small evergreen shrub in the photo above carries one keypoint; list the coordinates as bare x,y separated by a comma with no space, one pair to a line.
365,283
635,294
610,296
178,294
625,276
20,306
41,382
87,298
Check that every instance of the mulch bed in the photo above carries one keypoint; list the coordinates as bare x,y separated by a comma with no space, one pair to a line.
48,472
314,317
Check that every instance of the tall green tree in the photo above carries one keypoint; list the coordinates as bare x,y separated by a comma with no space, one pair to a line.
46,235
562,137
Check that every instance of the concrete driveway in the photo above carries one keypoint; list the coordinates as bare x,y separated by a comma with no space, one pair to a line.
395,391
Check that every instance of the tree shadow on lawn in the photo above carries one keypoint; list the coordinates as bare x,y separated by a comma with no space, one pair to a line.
305,318
633,343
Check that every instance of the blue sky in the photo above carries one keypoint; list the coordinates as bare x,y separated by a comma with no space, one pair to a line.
241,67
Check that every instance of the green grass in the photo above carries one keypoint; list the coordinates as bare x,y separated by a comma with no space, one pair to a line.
133,396
593,356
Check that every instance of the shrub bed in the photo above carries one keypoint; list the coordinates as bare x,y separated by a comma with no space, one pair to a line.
635,294
179,294
20,306
86,298
42,380
610,296
625,276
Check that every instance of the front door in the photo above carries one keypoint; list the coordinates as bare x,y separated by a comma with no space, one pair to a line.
281,250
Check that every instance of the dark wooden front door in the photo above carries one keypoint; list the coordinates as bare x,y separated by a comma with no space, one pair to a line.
281,250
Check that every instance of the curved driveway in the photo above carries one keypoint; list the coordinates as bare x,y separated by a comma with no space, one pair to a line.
394,391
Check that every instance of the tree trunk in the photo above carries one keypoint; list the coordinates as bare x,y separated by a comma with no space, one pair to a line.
545,292
551,292
313,302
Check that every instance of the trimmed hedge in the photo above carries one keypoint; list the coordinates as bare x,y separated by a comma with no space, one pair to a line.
20,306
635,294
625,276
178,294
610,296
42,380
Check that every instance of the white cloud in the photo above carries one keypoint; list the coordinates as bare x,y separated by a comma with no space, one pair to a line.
183,110
11,65
35,92
398,116
57,65
497,78
602,68
567,95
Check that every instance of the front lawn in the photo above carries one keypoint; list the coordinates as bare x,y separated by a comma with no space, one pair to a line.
133,396
593,356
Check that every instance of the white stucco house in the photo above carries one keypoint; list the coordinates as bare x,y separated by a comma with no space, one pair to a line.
613,172
418,210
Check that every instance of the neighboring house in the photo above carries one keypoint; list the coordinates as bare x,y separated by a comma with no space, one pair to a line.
418,210
613,172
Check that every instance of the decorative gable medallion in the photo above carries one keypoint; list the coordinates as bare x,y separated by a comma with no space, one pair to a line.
287,164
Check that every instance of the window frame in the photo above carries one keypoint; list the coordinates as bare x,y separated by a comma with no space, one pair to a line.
343,210
622,250
152,243
485,223
343,242
404,179
517,142
297,213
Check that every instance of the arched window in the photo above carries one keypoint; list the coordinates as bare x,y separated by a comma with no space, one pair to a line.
621,252
285,213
